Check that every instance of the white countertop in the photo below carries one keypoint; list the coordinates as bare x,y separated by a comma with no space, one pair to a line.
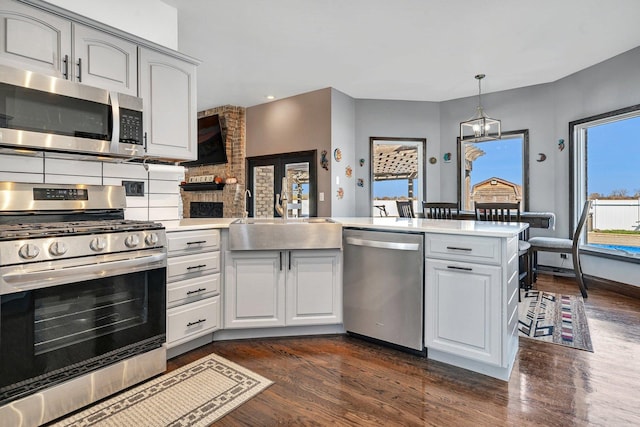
479,228
445,226
197,223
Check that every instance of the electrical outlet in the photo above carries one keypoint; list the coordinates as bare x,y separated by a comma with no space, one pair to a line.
134,188
563,256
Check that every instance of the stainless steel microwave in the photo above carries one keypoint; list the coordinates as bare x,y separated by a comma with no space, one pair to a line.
47,113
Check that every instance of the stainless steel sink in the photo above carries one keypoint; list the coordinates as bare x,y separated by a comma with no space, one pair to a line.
253,234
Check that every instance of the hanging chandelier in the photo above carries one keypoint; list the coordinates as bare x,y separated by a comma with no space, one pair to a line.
480,127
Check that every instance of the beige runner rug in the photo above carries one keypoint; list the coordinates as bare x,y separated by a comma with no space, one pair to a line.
195,395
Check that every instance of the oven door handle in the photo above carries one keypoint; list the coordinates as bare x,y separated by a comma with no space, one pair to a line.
24,280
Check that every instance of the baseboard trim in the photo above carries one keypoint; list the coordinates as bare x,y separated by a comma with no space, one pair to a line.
594,281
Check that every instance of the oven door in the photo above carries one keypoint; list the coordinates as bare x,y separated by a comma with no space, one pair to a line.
50,334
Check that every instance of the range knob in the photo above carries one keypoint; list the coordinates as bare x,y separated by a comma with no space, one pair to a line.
58,248
132,241
28,251
98,244
151,239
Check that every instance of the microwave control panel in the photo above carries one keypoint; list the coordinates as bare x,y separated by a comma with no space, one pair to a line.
130,126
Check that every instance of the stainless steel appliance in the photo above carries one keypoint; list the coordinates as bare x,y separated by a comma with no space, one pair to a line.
383,286
82,299
44,112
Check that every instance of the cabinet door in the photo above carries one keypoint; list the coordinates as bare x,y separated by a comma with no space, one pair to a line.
314,287
104,61
168,90
34,40
254,289
463,311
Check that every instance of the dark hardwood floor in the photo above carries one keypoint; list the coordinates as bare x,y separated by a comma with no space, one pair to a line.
341,380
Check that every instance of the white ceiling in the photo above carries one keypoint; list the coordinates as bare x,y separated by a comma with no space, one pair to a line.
422,50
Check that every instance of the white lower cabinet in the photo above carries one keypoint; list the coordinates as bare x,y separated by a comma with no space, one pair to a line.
193,285
282,288
471,302
464,313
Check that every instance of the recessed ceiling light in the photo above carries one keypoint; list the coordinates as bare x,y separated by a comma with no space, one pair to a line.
270,97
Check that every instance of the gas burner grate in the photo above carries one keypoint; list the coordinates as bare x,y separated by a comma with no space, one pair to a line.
51,229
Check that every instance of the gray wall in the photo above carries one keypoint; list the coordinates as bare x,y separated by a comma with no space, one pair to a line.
298,123
406,119
343,138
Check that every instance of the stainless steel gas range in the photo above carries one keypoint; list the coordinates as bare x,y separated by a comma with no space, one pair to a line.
82,299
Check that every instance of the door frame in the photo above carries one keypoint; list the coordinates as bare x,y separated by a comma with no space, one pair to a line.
279,161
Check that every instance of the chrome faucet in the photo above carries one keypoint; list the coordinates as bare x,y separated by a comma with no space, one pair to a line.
245,213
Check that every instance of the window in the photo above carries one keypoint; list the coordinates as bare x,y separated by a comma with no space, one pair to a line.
605,152
494,171
397,173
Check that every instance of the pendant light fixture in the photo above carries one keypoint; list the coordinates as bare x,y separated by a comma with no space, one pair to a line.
480,127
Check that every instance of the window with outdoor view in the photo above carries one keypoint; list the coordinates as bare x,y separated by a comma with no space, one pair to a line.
606,150
494,171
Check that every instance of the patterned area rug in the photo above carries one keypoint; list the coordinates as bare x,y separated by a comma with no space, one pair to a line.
555,318
194,395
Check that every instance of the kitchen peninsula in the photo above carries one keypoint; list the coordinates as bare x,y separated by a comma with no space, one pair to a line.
470,289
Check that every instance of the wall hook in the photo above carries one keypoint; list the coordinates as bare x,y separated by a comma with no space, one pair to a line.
542,158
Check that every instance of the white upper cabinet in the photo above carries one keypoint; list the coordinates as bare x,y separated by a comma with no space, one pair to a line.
104,61
38,41
33,39
168,91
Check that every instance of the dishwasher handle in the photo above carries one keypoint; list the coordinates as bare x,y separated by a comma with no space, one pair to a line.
383,245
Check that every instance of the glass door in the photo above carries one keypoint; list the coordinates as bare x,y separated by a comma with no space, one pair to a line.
264,181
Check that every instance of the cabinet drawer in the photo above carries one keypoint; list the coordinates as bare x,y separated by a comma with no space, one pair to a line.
189,266
184,242
485,250
193,319
190,290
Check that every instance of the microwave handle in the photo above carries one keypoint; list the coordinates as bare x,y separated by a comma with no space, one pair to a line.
115,131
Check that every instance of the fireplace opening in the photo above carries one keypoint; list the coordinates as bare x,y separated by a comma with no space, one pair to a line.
205,209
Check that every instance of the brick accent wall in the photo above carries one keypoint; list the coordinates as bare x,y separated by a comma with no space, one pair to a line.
235,144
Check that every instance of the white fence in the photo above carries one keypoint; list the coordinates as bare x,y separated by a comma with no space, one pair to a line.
616,214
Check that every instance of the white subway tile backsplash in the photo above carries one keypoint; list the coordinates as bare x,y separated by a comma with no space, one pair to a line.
21,177
138,214
73,167
166,187
24,164
161,201
164,200
71,179
163,214
130,171
137,202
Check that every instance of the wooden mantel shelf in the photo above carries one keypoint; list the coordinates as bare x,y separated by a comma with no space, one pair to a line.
201,186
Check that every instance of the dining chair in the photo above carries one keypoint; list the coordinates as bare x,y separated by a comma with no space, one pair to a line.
405,208
440,210
509,212
563,246
382,210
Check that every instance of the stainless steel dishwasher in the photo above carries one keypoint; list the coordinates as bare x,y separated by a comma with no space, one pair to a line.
383,286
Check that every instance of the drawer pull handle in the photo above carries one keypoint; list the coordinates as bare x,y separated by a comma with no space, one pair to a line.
453,267
196,291
196,322
191,267
197,242
455,248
